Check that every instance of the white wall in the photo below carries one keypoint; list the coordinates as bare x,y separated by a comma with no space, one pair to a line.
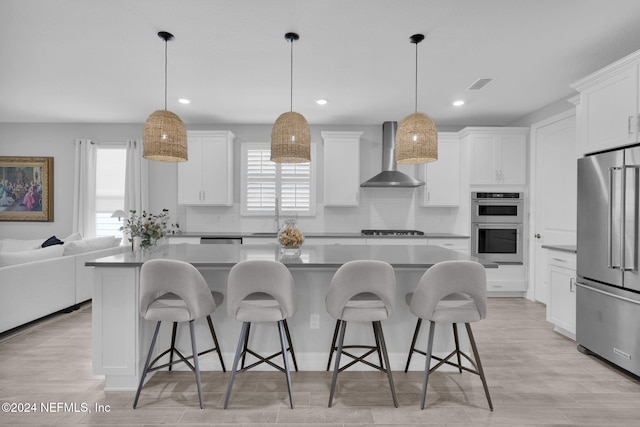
379,207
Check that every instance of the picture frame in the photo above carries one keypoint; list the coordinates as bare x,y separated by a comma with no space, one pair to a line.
26,189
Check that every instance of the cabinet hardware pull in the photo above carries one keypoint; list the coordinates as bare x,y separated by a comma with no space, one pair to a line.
629,125
559,259
572,287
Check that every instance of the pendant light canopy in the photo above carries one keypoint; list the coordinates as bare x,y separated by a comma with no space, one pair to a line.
417,136
164,134
290,136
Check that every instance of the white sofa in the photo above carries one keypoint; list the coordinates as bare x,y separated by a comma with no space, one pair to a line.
31,288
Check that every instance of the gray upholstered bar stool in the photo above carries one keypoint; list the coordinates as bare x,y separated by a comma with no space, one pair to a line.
261,291
175,291
362,291
450,292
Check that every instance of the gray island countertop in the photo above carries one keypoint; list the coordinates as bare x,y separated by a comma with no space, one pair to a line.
327,234
312,256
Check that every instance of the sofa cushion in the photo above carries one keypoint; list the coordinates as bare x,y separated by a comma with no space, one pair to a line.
88,245
19,245
72,237
20,257
52,241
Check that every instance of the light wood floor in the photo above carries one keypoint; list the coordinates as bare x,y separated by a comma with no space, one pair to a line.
536,378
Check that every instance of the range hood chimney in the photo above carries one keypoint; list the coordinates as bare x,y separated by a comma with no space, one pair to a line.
390,176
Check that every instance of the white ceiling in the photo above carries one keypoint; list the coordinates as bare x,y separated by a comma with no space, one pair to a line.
100,61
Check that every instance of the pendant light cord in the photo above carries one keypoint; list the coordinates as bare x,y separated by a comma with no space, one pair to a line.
165,75
416,85
291,78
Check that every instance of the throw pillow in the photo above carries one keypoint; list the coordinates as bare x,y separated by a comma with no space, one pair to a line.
19,245
88,245
72,237
51,241
12,258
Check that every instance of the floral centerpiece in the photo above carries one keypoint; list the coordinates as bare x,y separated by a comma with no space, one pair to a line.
148,227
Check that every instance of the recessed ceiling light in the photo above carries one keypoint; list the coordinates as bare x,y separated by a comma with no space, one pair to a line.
184,101
458,103
321,101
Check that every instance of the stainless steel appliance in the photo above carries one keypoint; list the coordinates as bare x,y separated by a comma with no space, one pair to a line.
496,226
391,233
608,285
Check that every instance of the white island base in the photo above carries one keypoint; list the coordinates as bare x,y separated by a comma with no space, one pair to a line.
121,337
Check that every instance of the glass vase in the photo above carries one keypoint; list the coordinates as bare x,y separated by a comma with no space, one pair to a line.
290,239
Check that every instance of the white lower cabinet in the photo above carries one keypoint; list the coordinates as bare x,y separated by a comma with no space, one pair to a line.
507,278
561,274
458,245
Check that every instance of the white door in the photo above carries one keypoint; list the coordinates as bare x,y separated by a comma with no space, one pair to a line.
554,178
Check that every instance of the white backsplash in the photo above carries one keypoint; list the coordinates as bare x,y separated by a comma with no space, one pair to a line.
380,208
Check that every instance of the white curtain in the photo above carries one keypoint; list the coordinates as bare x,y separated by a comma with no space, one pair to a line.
84,188
135,184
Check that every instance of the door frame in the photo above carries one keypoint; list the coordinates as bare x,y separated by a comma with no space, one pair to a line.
535,128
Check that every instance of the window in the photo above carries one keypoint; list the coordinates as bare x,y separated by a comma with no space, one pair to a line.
264,181
110,172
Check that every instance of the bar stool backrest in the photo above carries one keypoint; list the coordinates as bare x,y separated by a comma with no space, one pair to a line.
160,276
361,277
447,278
261,277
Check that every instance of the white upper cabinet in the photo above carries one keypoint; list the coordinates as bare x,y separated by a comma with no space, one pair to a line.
498,155
442,177
341,168
608,113
207,177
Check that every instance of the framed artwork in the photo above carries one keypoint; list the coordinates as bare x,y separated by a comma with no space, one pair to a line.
26,188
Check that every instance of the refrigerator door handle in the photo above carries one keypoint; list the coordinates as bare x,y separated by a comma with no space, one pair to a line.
634,204
610,221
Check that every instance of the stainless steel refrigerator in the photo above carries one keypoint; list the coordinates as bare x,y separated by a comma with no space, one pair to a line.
608,283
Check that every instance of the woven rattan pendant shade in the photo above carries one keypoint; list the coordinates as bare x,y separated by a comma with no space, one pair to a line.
164,137
290,139
290,136
417,136
416,139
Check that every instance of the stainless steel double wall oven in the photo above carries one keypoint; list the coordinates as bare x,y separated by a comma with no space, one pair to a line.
496,226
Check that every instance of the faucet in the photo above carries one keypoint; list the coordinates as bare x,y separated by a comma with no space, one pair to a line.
276,220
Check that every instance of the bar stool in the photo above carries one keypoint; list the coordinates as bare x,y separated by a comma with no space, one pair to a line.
450,292
261,291
362,291
175,291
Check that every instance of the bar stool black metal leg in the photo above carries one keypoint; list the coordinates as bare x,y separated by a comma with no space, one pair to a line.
146,364
455,338
195,360
375,335
336,367
246,344
413,343
333,343
215,342
293,353
236,360
173,343
380,337
285,357
427,363
480,370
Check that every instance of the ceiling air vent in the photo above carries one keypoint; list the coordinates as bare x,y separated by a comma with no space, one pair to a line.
479,84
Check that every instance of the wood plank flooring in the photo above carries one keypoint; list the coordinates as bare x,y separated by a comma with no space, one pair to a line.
536,378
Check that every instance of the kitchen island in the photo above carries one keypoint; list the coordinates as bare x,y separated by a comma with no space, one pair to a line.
120,337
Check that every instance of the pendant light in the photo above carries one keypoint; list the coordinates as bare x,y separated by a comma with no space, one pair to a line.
290,136
164,134
417,136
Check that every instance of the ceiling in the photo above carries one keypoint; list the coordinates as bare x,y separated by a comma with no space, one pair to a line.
101,61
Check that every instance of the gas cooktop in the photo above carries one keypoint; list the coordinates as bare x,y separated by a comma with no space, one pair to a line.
392,233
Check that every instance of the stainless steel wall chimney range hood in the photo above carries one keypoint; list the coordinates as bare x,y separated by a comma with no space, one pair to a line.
390,176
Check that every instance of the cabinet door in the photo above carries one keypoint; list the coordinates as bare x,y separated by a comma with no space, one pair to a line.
442,177
483,159
609,111
217,170
190,174
513,159
562,298
341,168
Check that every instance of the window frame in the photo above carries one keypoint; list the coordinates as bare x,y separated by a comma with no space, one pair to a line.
244,150
115,145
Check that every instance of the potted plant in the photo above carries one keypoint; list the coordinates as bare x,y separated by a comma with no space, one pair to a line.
148,227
